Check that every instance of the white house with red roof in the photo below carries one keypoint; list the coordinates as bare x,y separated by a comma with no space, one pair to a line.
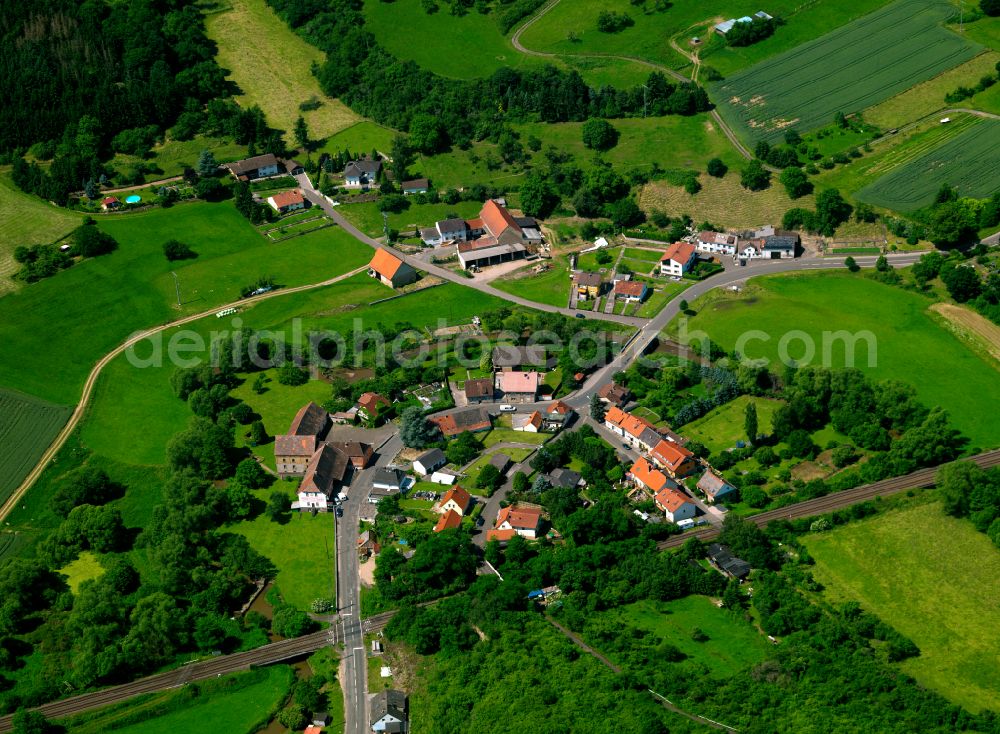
678,259
630,291
494,237
516,520
637,432
675,504
457,500
676,460
448,520
287,201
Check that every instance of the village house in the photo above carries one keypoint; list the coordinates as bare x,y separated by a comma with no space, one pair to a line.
557,416
429,461
678,259
676,460
637,432
359,454
390,270
717,243
510,358
630,291
448,521
496,236
371,405
293,450
287,201
723,559
516,520
768,243
501,462
614,394
388,712
564,478
472,420
260,166
326,470
675,504
478,390
644,474
588,285
388,480
518,387
416,186
714,487
110,203
368,545
361,174
527,422
457,500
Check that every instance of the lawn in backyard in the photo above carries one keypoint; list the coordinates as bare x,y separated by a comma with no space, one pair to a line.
27,220
86,567
460,46
723,427
302,549
171,157
132,288
472,473
843,71
732,644
27,428
933,578
969,161
126,397
233,703
361,137
501,434
368,218
274,70
903,331
550,286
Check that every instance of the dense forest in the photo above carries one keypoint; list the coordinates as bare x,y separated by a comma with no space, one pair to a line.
402,95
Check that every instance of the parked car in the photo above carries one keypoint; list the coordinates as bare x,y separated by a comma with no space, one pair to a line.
581,315
340,511
507,408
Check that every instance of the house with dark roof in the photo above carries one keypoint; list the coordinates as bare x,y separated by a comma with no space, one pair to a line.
361,174
565,478
326,471
617,395
501,461
479,390
357,453
768,243
293,450
388,479
511,358
723,559
389,712
714,487
390,270
258,166
415,186
428,461
368,544
587,284
473,420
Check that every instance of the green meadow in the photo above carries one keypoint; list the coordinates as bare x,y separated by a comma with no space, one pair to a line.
909,344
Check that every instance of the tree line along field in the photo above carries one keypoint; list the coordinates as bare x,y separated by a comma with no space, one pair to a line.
969,161
846,70
27,427
910,345
132,288
933,578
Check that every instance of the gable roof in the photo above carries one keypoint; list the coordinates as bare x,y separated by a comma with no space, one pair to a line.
461,498
496,218
587,278
417,183
561,477
252,164
294,445
287,198
613,393
631,424
385,263
519,382
353,449
718,238
364,166
434,457
648,475
521,420
390,702
447,521
558,406
371,401
500,460
713,485
451,225
680,252
670,454
532,355
479,387
308,426
385,475
671,499
110,200
325,470
471,419
630,288
519,517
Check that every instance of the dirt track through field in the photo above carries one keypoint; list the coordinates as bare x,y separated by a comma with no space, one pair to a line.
88,387
978,327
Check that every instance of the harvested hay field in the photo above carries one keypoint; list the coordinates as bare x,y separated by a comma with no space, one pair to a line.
971,326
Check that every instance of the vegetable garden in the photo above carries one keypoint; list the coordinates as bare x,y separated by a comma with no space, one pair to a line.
969,161
848,69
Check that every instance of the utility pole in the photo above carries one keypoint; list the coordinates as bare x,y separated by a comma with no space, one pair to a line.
177,286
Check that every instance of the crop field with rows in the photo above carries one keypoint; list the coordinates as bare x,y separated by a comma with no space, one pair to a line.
27,427
969,161
847,70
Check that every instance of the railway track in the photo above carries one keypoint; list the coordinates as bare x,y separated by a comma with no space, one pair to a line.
276,652
917,480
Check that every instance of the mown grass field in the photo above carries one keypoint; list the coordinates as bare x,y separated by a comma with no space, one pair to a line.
361,137
969,161
928,96
303,549
933,578
846,70
232,704
125,396
27,426
27,220
905,334
132,288
271,65
723,427
732,643
550,286
173,156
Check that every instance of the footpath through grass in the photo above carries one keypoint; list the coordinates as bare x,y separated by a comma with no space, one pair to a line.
271,64
910,346
933,578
